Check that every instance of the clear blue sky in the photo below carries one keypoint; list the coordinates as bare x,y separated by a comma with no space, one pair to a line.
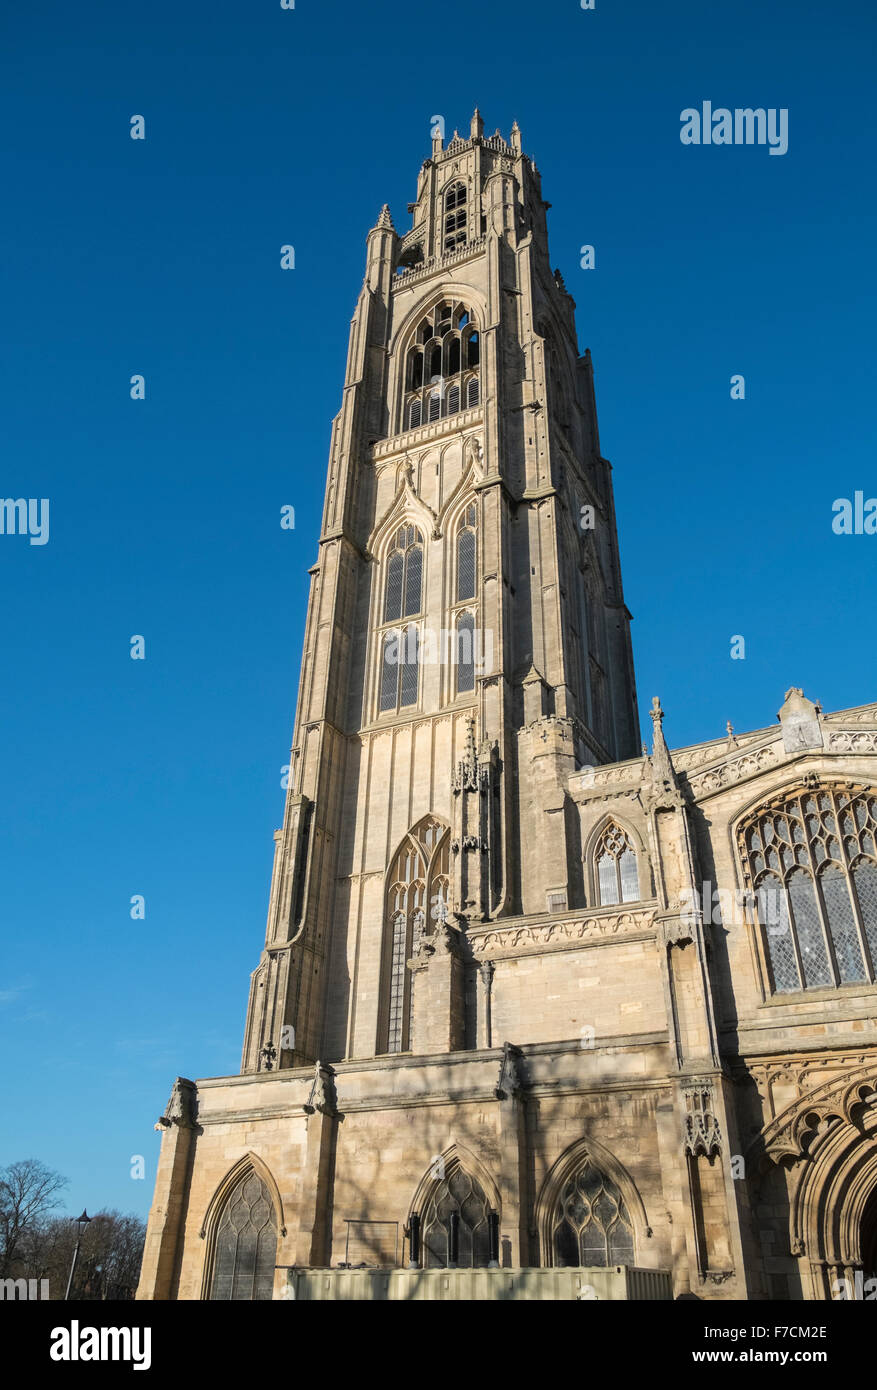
161,257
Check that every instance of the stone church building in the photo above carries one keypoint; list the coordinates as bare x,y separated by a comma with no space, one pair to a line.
540,1013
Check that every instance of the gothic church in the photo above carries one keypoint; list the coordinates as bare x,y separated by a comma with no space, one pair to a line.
540,1014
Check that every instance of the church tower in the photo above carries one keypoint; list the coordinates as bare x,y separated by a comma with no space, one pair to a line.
467,646
539,1014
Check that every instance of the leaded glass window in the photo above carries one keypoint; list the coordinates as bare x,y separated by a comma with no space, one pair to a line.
465,654
246,1243
810,857
466,552
400,666
417,897
404,575
617,867
457,1215
591,1222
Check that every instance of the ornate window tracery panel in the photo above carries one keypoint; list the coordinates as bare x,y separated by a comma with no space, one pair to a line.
442,364
617,868
456,1222
417,897
810,858
246,1243
591,1225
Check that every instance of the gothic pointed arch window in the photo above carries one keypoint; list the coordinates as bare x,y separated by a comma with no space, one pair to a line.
456,1223
454,234
810,861
617,869
464,654
417,898
441,365
245,1247
466,554
403,593
591,1226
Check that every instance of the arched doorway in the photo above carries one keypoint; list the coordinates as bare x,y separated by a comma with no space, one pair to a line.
868,1237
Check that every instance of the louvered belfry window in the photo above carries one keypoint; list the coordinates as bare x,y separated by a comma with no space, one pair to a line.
246,1243
811,858
592,1227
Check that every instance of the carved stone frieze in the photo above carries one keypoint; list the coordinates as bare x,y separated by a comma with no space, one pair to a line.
736,771
848,741
513,941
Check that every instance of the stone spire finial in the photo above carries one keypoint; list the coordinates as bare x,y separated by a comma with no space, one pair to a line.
385,219
466,774
664,787
477,127
470,738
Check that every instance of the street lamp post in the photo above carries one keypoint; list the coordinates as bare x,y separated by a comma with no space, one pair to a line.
81,1222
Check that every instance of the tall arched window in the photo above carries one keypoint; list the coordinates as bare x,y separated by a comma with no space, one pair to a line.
442,364
417,897
455,1226
617,868
455,217
465,653
591,1225
400,666
811,859
466,554
404,575
246,1243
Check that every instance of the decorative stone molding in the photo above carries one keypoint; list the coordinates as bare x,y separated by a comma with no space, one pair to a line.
515,941
864,714
849,741
434,264
182,1108
736,771
789,1134
700,1128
